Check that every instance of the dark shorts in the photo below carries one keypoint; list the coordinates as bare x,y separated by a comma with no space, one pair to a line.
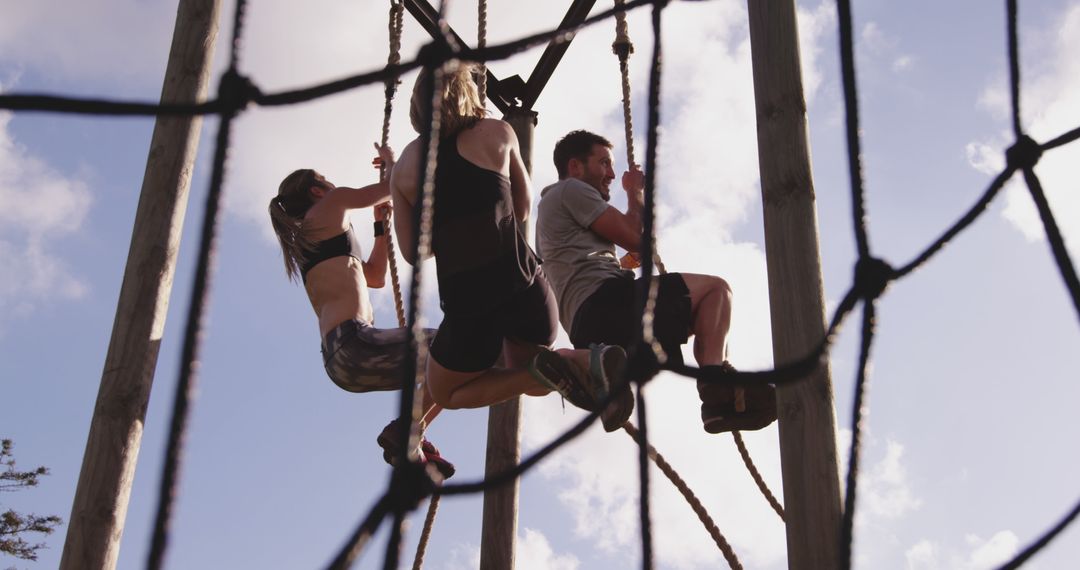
361,358
608,316
471,343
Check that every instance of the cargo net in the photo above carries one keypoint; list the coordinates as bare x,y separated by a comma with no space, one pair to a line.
410,484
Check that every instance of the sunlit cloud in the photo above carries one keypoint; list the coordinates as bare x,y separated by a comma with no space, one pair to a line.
1049,109
973,553
38,207
89,42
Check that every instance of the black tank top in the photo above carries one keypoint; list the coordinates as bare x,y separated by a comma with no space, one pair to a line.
342,244
481,254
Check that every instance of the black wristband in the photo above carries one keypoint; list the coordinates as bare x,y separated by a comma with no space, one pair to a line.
380,228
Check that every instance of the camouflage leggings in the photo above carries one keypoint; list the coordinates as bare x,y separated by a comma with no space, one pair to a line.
361,358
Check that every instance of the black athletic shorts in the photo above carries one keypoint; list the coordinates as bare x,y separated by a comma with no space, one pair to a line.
609,316
471,343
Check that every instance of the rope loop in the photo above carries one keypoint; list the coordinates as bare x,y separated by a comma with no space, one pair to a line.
872,277
642,364
236,92
410,485
1023,155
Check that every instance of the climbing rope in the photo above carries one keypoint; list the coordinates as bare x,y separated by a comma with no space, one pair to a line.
481,43
689,495
623,47
756,475
397,10
236,92
429,521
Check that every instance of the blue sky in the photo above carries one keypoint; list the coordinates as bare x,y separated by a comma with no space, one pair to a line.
967,457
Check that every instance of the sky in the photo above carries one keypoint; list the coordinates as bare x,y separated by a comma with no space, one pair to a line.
967,456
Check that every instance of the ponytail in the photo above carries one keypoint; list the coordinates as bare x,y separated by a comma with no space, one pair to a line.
287,211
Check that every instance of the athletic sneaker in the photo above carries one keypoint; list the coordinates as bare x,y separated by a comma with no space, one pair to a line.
611,366
722,411
584,390
618,411
389,439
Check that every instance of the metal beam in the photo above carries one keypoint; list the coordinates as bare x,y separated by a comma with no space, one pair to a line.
551,57
428,18
505,94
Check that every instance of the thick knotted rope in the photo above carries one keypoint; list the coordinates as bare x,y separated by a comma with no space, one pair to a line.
397,10
691,498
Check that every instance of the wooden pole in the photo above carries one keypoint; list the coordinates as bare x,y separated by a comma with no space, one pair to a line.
499,532
807,416
112,448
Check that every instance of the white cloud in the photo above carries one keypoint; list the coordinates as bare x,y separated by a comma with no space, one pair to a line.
885,491
1049,109
38,206
881,49
813,25
89,41
923,555
598,475
534,552
974,553
989,553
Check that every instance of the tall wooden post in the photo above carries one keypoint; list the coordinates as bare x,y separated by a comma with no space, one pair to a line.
499,532
112,447
812,503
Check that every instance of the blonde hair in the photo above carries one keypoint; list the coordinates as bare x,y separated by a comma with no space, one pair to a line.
287,211
461,106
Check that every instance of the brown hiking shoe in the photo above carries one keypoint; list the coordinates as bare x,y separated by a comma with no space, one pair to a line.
724,408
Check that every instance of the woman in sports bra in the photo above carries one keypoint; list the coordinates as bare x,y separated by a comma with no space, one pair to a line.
495,299
318,244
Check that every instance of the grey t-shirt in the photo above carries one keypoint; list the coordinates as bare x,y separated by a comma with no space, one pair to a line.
577,260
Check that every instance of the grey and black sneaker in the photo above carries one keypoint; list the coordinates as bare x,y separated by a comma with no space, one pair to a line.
609,363
584,390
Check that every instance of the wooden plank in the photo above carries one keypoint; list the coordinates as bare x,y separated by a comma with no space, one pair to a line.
807,416
499,530
112,448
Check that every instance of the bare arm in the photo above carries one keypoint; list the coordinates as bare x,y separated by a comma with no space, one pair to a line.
520,187
404,186
345,198
375,266
625,229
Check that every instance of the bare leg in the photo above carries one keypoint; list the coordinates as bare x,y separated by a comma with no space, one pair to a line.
710,307
428,406
452,389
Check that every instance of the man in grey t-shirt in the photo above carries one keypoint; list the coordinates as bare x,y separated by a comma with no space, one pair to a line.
576,234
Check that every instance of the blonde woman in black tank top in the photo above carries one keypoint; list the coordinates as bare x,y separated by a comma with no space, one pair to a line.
495,299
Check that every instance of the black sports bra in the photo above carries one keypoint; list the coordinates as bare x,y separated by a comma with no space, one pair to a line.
342,244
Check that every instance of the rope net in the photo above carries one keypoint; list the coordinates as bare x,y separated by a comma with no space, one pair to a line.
409,484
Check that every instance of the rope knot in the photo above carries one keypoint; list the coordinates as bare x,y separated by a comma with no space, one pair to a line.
411,484
434,54
641,365
1023,155
872,277
236,92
